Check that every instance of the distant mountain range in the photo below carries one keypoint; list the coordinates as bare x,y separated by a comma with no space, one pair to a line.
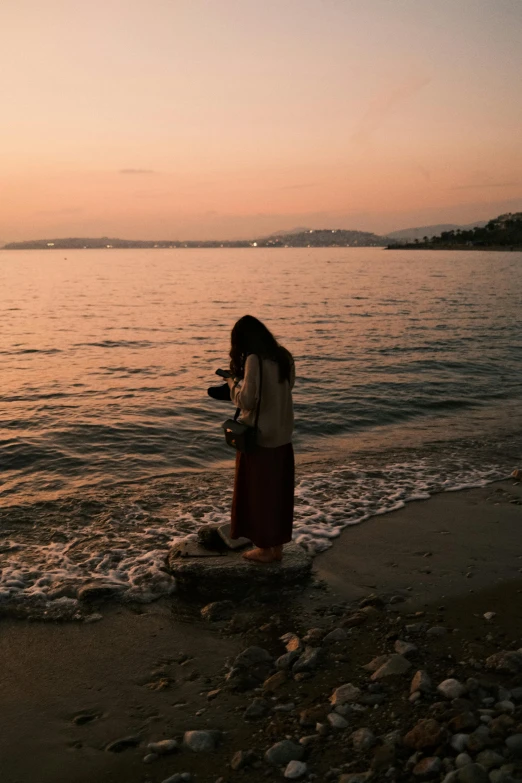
410,234
502,233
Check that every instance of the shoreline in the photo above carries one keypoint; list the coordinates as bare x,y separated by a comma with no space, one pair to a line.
145,671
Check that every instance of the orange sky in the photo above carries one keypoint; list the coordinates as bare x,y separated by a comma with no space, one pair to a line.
173,119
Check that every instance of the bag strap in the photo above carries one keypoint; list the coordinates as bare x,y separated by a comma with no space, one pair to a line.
238,410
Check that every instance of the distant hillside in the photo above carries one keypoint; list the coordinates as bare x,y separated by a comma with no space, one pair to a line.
330,237
410,234
503,233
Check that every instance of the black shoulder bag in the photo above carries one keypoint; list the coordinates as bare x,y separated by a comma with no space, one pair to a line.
241,436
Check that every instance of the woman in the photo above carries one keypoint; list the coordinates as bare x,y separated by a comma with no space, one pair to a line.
263,502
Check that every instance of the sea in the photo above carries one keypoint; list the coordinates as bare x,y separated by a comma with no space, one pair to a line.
409,382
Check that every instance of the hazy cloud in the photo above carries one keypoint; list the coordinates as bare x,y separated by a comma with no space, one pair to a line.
383,105
137,171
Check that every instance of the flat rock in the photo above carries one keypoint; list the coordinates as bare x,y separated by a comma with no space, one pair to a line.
506,661
230,575
473,773
405,648
345,694
199,741
163,747
337,721
295,769
218,610
425,734
283,752
308,660
394,666
421,682
189,547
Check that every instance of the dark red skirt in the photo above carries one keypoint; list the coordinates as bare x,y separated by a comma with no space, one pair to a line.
263,501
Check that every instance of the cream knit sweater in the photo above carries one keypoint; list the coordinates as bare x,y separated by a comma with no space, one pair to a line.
276,415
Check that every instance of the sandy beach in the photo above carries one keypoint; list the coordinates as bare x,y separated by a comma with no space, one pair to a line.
148,673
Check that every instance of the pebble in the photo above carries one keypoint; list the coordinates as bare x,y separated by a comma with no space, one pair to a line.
163,747
488,759
395,665
472,773
363,739
150,757
437,630
405,648
428,767
337,721
337,635
345,694
257,709
425,734
421,682
308,660
283,752
275,681
295,769
514,744
218,610
505,706
242,759
199,741
252,656
459,742
462,760
489,615
285,661
451,689
292,642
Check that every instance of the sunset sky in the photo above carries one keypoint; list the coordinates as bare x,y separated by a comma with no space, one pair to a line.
200,119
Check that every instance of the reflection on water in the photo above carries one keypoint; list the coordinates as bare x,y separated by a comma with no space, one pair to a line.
106,356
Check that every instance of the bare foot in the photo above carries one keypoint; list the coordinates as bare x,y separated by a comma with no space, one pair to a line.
259,555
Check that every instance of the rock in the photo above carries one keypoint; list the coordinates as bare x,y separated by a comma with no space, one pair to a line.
312,715
356,777
292,642
337,635
501,725
242,759
345,694
217,610
437,630
314,636
489,759
337,721
150,758
451,689
355,619
283,752
506,661
98,590
421,682
514,743
489,616
383,758
224,533
220,576
285,661
308,660
189,547
241,680
459,742
199,741
176,778
394,666
462,760
275,681
376,663
363,739
516,694
451,777
462,722
257,709
405,648
425,734
472,773
415,629
505,706
163,747
295,769
117,746
428,767
252,656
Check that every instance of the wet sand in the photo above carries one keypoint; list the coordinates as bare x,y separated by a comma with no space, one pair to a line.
146,671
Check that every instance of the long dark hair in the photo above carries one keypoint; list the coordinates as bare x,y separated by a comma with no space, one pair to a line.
250,335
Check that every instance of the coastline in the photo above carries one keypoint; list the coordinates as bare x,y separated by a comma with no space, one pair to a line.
145,671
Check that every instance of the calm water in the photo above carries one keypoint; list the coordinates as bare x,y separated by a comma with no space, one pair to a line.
107,355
